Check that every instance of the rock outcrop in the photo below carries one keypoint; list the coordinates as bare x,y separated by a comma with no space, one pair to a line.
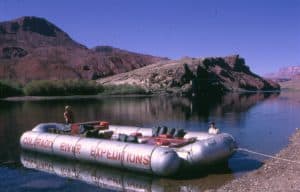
195,76
33,48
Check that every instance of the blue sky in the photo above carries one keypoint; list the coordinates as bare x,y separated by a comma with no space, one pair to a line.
265,32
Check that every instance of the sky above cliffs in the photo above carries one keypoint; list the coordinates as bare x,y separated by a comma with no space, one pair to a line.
265,32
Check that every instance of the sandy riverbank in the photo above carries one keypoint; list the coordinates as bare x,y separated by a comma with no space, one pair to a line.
274,175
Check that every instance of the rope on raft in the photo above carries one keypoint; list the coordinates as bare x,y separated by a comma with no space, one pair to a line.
266,155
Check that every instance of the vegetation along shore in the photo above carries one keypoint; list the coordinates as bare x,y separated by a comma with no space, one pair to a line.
65,88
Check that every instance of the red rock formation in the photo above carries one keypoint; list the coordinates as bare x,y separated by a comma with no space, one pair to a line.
204,75
33,48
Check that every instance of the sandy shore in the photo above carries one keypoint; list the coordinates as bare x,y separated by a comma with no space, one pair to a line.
274,175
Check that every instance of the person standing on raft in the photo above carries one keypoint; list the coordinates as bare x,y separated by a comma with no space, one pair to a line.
213,129
68,115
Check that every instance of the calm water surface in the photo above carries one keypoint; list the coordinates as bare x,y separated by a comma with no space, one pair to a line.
260,122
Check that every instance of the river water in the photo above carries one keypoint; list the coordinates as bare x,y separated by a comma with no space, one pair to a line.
261,122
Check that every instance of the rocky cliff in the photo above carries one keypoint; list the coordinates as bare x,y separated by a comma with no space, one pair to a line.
195,76
33,48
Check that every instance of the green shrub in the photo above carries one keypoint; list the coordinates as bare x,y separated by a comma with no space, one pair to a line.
124,89
8,89
62,88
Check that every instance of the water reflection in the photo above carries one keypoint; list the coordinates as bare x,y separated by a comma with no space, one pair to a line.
203,108
115,179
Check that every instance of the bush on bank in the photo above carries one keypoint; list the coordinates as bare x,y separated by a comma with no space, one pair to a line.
124,89
65,88
8,89
62,88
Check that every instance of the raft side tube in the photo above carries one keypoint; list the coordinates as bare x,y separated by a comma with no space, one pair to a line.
87,147
138,157
120,129
27,139
165,161
148,132
209,151
109,153
66,146
45,127
198,135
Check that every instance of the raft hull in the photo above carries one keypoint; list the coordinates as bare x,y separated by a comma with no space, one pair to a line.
152,159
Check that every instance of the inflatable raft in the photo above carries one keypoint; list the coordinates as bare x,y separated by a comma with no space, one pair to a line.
159,151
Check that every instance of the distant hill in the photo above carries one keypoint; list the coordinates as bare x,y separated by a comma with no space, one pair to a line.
286,73
291,85
287,77
33,48
201,75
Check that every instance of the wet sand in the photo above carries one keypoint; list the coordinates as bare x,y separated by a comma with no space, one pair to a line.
274,175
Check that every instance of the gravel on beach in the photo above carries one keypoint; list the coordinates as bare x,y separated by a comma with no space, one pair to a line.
275,174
